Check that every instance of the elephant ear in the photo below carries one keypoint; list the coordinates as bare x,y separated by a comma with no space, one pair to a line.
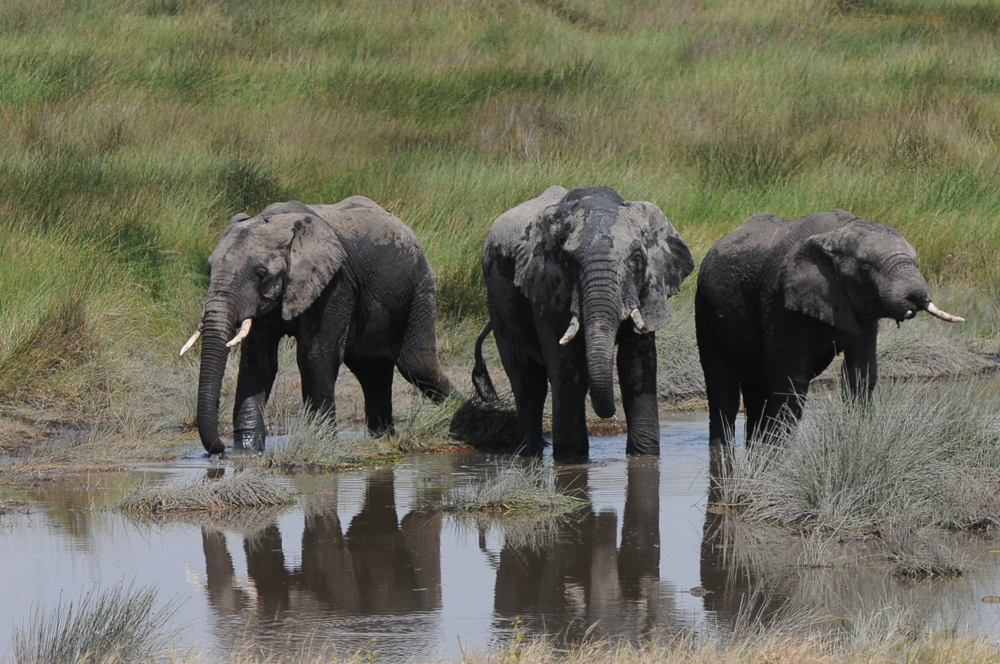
668,262
811,285
315,254
537,270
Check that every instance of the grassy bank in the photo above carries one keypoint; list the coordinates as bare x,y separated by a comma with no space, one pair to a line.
133,129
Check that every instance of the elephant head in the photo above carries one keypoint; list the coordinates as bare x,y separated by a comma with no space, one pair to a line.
281,259
859,271
596,261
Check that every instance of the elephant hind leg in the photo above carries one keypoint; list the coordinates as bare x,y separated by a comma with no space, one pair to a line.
418,356
722,387
375,377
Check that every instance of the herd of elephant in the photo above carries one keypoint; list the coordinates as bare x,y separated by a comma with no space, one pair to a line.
569,275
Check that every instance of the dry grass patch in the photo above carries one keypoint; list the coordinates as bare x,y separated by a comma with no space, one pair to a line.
249,488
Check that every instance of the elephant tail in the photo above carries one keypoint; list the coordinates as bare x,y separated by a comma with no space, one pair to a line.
480,374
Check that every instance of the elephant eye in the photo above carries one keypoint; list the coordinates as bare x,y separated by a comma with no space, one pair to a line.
262,273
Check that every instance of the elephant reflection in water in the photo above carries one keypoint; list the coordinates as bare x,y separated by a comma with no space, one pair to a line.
379,566
582,579
731,587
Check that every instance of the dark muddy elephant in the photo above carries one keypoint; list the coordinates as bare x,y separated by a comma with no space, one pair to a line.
777,300
569,275
348,281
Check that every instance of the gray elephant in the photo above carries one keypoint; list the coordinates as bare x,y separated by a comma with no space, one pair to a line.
777,300
348,281
569,275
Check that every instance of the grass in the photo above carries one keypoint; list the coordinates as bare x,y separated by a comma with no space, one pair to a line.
120,624
249,489
516,487
917,461
133,129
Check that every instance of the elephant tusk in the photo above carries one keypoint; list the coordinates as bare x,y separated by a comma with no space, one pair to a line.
190,342
241,335
574,327
640,324
943,315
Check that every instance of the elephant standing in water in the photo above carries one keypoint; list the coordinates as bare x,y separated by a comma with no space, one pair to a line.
349,281
777,300
568,275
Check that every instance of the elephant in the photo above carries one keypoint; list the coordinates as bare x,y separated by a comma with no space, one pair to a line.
349,281
568,275
777,300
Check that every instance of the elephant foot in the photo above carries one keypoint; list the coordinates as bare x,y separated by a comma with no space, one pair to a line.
248,440
642,447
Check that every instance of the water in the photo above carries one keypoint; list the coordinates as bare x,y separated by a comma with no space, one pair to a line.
360,560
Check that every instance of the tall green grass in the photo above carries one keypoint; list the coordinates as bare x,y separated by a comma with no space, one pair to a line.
132,130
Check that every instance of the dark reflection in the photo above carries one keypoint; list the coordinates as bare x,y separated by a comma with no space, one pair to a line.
730,585
379,566
582,580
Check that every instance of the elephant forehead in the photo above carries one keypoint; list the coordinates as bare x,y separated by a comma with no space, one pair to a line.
874,241
598,227
253,237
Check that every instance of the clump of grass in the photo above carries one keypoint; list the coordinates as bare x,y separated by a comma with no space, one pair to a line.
486,425
250,488
679,376
120,624
313,443
916,457
518,487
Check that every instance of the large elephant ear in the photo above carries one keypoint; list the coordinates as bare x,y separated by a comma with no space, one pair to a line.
315,254
668,262
538,272
811,285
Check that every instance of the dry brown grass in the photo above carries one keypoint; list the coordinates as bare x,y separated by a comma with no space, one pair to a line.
247,489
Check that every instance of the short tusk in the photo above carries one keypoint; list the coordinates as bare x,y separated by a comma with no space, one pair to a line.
241,335
574,327
943,315
190,342
640,324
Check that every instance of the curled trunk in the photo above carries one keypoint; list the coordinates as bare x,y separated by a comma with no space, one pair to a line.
216,332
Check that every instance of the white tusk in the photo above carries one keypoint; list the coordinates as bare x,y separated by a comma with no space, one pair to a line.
190,342
640,324
574,327
241,335
943,315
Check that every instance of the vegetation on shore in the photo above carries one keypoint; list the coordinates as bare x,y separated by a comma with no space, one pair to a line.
133,129
247,489
901,473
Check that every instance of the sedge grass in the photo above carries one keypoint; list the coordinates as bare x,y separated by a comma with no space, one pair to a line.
515,487
119,624
248,489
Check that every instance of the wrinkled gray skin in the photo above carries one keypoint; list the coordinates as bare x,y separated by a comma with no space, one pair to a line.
777,300
590,254
349,281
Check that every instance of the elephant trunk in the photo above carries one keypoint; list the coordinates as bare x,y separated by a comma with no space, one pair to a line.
600,323
217,330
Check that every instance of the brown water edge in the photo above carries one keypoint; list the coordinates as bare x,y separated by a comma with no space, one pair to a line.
359,558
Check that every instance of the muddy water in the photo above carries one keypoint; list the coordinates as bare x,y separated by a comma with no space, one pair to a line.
360,560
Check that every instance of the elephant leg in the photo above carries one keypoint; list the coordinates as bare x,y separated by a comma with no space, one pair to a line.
530,385
784,408
637,380
754,403
375,376
570,443
722,387
318,369
258,368
859,372
418,357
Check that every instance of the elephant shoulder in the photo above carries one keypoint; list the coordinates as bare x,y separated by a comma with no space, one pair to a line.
511,226
288,207
762,219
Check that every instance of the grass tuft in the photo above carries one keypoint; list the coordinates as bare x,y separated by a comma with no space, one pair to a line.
247,489
517,487
120,624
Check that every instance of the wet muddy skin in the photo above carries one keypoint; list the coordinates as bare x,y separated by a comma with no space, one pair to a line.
362,561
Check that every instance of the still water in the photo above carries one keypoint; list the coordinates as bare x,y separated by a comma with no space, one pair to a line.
360,559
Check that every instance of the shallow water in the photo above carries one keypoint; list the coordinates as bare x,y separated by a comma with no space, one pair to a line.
360,560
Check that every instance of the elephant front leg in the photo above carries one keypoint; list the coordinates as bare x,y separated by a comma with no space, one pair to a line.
258,367
637,380
567,371
859,372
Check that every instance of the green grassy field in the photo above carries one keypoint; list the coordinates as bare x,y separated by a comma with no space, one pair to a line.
133,129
